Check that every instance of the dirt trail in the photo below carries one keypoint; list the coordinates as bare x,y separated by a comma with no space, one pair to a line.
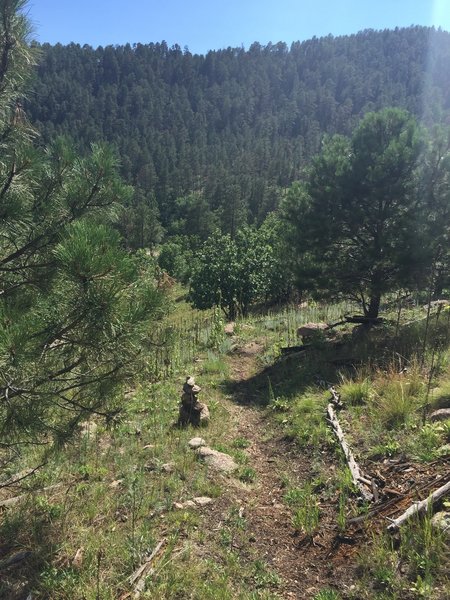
304,566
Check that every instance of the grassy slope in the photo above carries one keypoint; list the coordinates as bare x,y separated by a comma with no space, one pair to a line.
119,484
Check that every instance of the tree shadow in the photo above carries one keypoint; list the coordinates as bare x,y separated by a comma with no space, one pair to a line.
287,377
25,550
29,541
325,363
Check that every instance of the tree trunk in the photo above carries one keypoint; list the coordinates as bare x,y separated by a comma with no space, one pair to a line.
374,305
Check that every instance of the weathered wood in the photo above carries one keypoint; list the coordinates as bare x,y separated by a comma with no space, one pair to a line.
15,559
335,397
376,497
419,507
292,349
332,325
357,478
12,501
362,320
137,579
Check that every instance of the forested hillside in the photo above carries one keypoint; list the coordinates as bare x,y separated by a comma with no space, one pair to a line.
214,139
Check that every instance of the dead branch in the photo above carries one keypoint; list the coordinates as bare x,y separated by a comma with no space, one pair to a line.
15,559
137,579
12,501
335,397
357,478
28,473
419,507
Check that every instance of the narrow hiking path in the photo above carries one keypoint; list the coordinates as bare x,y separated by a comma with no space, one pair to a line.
300,565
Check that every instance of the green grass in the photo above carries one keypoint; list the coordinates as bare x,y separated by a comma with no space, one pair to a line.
305,508
327,595
215,365
355,392
306,423
117,499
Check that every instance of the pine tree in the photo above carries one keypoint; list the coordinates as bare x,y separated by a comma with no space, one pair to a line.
353,220
72,302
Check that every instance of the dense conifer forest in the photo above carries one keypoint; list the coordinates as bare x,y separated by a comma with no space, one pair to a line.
214,139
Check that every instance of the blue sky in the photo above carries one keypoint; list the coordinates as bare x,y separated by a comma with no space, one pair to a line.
210,24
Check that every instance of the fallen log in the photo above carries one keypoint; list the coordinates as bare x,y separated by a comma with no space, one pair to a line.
358,479
346,362
137,579
292,349
15,559
419,507
333,325
15,499
335,397
362,320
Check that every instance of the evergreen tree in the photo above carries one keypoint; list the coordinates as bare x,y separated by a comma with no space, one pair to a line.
434,189
233,125
72,303
353,221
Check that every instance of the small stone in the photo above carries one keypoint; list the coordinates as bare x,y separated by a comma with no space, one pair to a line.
202,500
168,467
229,328
441,520
440,415
115,483
77,560
217,460
196,442
184,505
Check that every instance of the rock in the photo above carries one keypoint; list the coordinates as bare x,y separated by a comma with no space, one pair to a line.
116,483
440,415
168,467
311,329
191,410
229,328
183,505
204,414
195,503
437,304
444,450
77,560
441,520
156,466
217,460
196,442
202,500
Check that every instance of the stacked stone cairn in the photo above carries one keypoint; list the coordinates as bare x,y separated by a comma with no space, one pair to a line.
191,410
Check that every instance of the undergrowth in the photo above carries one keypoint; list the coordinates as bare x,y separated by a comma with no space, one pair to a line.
117,482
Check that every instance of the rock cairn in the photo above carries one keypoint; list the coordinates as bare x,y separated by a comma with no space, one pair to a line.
191,410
